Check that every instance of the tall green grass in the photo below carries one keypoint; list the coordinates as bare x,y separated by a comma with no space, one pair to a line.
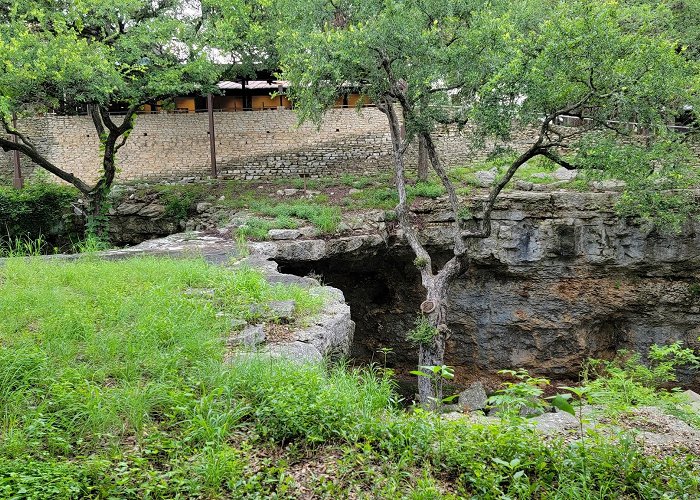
93,351
113,384
325,218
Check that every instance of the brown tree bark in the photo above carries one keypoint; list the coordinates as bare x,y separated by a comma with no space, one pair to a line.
437,282
423,168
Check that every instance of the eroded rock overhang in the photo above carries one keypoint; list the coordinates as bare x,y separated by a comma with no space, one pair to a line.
562,278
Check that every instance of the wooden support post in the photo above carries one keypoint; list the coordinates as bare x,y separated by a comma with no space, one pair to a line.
17,179
212,139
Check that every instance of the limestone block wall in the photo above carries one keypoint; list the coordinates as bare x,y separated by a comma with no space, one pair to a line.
250,145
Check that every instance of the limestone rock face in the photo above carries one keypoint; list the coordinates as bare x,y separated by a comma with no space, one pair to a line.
561,279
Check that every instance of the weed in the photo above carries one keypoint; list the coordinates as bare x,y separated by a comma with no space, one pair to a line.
423,333
23,246
91,244
324,218
514,396
420,262
179,199
113,384
426,190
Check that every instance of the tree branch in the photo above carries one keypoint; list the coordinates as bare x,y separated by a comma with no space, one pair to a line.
386,107
37,158
547,153
459,246
13,131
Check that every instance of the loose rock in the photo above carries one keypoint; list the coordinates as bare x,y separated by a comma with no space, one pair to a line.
250,336
473,397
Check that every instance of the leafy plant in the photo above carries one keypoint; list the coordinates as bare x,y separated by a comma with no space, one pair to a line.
420,262
91,244
179,200
40,210
626,381
526,392
423,332
437,375
23,247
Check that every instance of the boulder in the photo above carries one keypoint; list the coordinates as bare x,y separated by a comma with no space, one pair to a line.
295,351
608,185
152,211
282,310
250,336
694,399
129,208
564,174
553,423
473,397
203,207
484,178
523,185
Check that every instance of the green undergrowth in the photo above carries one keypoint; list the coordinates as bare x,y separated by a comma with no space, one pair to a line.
40,212
385,196
113,384
317,211
180,200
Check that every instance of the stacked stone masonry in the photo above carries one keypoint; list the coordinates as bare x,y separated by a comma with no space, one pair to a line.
250,145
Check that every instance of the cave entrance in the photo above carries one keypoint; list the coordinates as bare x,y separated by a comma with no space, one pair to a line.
383,292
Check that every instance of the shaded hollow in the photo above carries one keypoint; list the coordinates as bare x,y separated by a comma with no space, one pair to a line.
503,317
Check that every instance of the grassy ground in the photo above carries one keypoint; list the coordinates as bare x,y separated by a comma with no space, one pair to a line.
113,385
331,196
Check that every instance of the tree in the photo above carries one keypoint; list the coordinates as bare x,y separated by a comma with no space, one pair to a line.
97,54
498,66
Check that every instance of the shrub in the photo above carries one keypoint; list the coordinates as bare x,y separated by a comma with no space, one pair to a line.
179,200
38,210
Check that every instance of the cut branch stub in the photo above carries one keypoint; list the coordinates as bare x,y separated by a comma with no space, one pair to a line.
428,306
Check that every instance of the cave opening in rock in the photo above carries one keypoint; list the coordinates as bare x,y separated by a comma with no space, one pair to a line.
546,320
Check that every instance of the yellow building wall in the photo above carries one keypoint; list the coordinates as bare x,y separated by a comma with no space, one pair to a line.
352,101
228,103
182,103
267,102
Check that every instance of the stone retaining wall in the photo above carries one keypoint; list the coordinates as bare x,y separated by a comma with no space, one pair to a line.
250,145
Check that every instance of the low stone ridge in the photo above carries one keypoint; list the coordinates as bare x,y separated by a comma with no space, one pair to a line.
328,334
657,433
561,278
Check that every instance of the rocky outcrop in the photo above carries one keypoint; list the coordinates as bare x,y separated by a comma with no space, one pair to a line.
135,219
561,279
326,335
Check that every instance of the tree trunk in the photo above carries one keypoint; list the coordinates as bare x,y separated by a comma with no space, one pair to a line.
433,354
422,159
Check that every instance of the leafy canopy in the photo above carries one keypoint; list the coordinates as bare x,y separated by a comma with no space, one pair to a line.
79,52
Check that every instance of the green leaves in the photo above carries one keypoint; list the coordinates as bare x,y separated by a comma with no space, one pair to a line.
103,51
561,402
437,371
